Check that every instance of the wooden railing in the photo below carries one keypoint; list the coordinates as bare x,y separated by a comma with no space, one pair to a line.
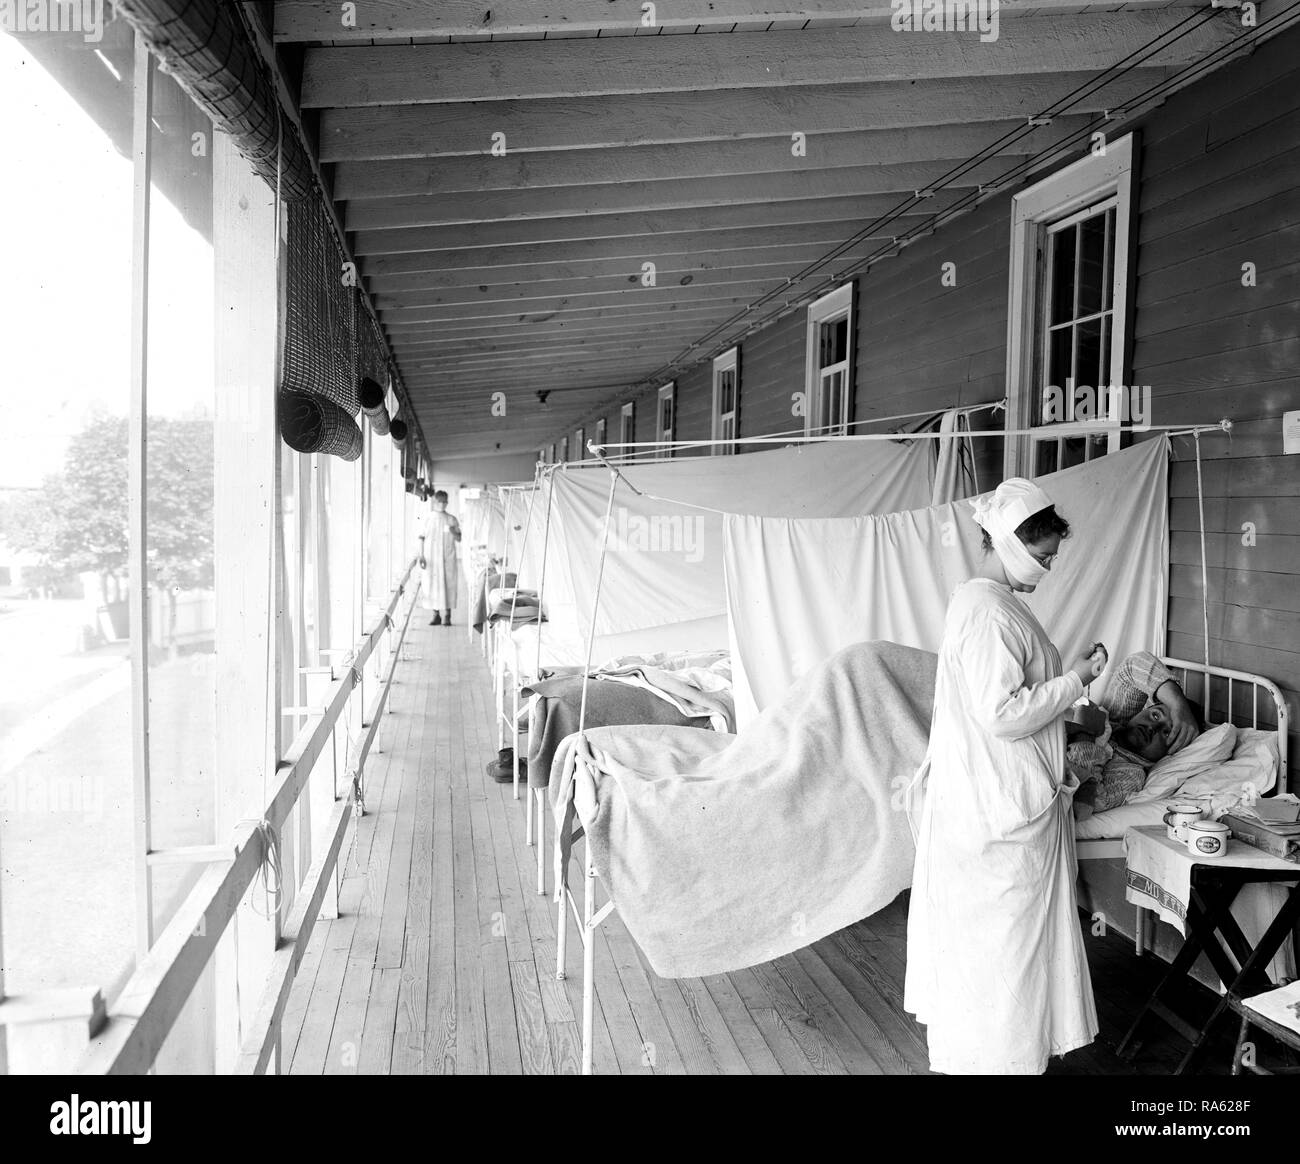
138,1022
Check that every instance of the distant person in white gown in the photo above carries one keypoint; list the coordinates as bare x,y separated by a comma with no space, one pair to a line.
996,966
438,561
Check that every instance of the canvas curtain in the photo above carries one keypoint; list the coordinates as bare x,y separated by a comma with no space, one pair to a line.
800,589
664,563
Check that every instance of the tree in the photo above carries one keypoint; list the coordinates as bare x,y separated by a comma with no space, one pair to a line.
77,521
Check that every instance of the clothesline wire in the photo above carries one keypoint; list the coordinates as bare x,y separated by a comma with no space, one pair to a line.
1083,428
1224,426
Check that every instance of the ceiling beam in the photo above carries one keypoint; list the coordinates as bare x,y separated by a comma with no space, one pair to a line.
324,20
423,131
524,171
360,76
648,225
675,194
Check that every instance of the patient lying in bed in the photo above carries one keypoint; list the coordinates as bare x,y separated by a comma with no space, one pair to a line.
1148,717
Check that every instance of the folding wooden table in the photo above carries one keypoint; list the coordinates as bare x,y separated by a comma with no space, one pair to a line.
1211,929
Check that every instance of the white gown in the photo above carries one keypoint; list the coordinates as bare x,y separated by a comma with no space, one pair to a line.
996,966
440,575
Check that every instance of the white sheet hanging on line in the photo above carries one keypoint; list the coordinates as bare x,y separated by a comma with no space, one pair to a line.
799,590
664,560
951,479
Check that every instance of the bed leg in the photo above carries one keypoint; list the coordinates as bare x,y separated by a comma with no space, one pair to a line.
561,925
541,842
528,817
588,962
1139,931
514,729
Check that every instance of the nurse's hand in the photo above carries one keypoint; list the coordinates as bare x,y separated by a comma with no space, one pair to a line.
1088,667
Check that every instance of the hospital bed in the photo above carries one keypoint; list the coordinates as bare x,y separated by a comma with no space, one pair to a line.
1100,837
1228,696
522,653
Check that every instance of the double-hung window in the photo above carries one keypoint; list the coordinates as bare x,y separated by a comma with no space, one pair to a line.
627,427
577,445
726,401
602,428
1067,314
666,419
829,378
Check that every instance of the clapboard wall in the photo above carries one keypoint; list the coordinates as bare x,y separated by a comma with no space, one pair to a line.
1219,186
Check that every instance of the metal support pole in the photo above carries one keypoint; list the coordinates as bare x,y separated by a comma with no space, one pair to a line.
137,495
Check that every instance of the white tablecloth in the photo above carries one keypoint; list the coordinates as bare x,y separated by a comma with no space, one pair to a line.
1158,876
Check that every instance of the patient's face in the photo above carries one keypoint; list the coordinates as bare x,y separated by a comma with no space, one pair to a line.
1146,734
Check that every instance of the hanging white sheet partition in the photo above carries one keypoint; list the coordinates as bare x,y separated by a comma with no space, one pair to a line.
798,590
664,563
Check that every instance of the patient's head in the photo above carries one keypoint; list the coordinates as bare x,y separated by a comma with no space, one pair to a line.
1146,734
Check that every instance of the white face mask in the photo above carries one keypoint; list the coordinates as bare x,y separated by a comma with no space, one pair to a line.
1021,566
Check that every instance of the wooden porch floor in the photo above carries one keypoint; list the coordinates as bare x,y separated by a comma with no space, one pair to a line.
443,958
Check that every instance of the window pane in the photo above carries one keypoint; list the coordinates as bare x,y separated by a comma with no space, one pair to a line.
1088,368
1106,286
179,513
1062,289
1092,263
1060,356
67,874
1045,458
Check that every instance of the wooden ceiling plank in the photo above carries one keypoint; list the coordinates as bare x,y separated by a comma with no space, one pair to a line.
709,266
355,77
423,131
648,225
765,155
628,251
323,20
417,349
577,306
678,194
700,319
523,296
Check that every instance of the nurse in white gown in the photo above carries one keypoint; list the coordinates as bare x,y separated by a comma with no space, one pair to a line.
441,534
996,967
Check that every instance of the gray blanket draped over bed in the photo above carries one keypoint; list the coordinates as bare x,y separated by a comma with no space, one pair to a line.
555,716
724,851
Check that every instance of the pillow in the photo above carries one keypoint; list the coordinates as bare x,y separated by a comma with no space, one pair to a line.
1208,749
1254,762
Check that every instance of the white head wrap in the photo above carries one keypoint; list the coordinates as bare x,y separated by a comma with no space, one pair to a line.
1000,513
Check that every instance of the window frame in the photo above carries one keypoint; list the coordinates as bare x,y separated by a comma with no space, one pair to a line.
664,435
827,309
602,431
725,443
1086,183
576,442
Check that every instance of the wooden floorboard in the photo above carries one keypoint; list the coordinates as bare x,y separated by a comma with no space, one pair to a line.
442,959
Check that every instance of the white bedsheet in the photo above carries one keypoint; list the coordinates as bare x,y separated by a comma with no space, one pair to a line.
1218,785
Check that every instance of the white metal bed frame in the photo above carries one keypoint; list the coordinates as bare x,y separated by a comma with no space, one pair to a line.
1113,849
589,916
